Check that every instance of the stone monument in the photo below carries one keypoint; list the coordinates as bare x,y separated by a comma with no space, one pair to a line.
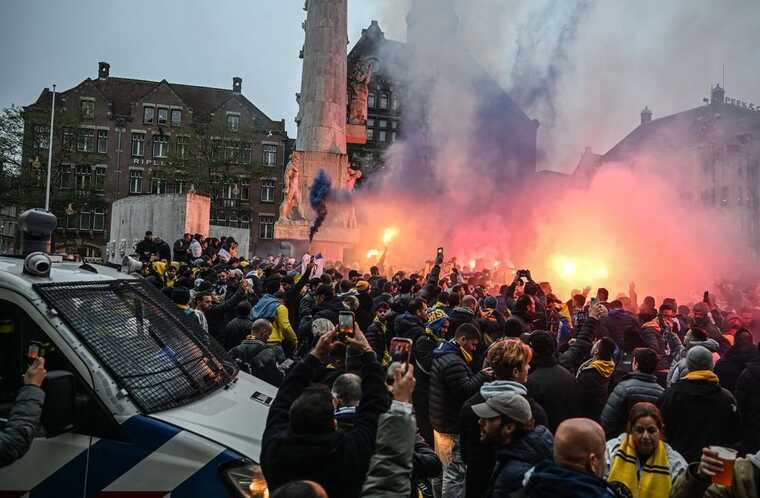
321,139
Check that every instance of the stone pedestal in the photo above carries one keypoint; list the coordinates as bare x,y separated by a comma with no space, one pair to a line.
356,134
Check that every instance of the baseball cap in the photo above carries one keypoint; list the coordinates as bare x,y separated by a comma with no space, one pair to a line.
509,404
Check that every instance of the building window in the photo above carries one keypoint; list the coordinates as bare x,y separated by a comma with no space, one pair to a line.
394,103
69,139
216,149
266,227
67,176
102,141
233,220
87,109
157,185
245,221
85,222
160,145
244,190
394,125
176,117
233,122
267,190
371,100
138,144
163,115
383,101
72,221
370,122
98,220
382,136
245,152
383,124
99,178
83,178
231,150
270,155
182,147
393,136
41,137
179,186
370,134
148,113
86,140
135,181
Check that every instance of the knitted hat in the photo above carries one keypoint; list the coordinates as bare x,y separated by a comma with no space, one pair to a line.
699,358
362,286
436,318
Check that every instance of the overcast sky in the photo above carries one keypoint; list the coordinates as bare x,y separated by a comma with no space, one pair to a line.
625,54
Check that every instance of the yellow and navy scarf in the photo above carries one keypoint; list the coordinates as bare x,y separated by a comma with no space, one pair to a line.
653,480
707,375
467,356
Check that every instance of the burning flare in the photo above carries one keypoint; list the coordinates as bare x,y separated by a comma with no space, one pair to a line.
373,253
580,271
389,234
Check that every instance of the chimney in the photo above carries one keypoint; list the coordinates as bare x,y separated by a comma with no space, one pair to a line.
103,68
717,95
646,116
237,83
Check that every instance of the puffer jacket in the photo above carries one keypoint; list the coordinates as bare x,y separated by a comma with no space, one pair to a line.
622,327
662,341
549,480
516,458
580,350
458,316
732,364
555,389
637,387
745,485
748,398
17,435
409,326
451,384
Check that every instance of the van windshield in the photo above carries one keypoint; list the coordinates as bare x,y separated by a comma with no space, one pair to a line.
158,355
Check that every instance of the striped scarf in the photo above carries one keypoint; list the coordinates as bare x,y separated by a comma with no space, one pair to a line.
652,480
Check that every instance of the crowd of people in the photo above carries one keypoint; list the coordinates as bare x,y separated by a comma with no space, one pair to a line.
508,391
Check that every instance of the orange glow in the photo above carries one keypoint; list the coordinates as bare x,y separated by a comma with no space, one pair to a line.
579,271
373,253
389,234
472,264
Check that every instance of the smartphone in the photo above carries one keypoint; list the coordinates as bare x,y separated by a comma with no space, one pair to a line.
401,350
594,301
34,351
440,251
346,324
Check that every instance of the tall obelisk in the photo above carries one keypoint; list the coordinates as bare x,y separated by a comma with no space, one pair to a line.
321,139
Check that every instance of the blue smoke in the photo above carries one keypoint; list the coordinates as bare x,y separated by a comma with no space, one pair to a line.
319,192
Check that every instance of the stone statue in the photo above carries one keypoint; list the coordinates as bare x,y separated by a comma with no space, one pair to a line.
291,205
299,115
359,92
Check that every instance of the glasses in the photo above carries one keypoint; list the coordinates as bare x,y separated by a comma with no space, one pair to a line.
649,430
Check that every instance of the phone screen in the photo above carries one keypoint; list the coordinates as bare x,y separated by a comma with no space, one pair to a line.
594,301
346,323
401,350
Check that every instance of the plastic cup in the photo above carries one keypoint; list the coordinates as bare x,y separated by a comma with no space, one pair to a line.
728,457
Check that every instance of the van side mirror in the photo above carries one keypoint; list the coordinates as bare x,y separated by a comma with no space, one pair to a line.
59,410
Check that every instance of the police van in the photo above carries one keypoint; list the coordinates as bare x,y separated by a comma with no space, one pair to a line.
139,401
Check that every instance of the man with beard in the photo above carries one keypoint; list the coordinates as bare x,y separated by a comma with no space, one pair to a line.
524,315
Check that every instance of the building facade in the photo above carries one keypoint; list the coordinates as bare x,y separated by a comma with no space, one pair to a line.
117,137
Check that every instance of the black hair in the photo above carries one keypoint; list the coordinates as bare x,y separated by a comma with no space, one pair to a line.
374,271
531,288
272,285
312,412
646,359
243,309
698,334
326,291
415,305
453,299
667,306
467,331
346,285
616,304
743,337
606,348
602,294
521,306
443,298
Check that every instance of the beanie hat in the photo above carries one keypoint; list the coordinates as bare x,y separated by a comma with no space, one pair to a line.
362,286
699,358
489,303
436,318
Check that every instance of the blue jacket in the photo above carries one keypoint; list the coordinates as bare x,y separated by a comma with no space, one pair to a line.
515,459
549,480
266,307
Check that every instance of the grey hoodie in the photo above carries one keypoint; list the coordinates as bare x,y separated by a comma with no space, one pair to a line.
678,369
491,389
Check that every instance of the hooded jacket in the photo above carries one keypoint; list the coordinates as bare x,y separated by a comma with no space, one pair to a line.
516,458
678,368
549,480
748,399
409,326
637,387
622,327
451,384
732,364
17,434
699,413
593,387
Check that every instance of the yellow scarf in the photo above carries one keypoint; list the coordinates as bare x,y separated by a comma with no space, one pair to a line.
605,368
707,375
653,480
467,356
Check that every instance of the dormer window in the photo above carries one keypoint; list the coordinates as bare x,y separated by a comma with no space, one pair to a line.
87,109
149,113
233,122
163,115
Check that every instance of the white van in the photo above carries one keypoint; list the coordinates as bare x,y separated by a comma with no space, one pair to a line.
139,402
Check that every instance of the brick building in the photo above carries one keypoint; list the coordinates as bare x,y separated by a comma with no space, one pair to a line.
117,137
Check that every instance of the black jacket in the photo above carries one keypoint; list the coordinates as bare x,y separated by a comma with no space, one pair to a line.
580,350
216,315
337,460
550,480
144,249
699,413
409,326
732,364
623,328
493,323
293,299
235,332
164,251
451,384
422,354
181,250
260,360
364,313
515,459
593,390
637,387
555,389
748,399
458,316
425,463
376,336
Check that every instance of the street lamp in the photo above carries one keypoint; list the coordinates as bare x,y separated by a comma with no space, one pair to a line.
50,154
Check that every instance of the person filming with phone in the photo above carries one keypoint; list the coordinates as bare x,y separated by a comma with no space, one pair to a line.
17,433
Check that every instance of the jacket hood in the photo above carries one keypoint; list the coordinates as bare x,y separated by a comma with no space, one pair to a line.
742,354
533,447
550,479
710,344
652,324
461,310
445,348
754,369
698,388
491,389
409,319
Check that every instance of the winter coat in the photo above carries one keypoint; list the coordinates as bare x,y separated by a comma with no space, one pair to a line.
337,460
699,413
745,485
390,468
425,463
580,350
409,326
748,398
164,251
593,390
270,308
460,315
451,384
662,341
17,434
555,389
491,323
422,354
549,480
479,456
235,332
713,332
637,387
732,364
181,249
364,313
622,327
293,299
261,360
516,458
145,249
400,303
517,322
675,461
376,336
215,315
